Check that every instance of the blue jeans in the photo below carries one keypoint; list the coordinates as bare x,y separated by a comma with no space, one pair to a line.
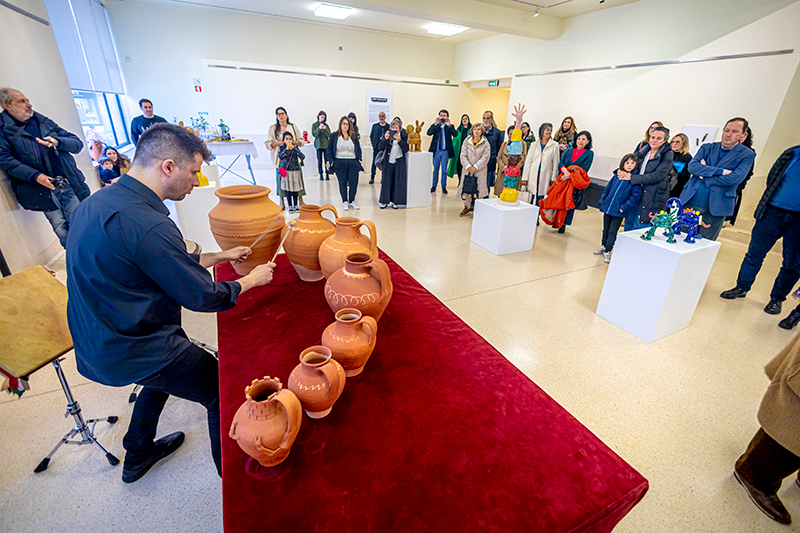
773,224
67,202
440,162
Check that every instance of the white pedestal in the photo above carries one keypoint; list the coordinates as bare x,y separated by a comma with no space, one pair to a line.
192,213
420,175
652,287
504,229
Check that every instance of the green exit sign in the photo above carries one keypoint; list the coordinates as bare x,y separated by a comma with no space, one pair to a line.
494,83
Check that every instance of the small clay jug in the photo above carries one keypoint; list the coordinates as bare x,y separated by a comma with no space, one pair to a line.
266,424
363,283
348,239
317,381
242,214
351,339
302,244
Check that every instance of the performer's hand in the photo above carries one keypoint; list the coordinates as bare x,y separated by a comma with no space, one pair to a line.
238,254
262,274
45,181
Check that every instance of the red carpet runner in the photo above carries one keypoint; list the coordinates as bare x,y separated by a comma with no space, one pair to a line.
439,433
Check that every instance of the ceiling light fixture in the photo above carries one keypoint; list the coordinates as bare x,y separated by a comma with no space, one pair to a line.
537,12
331,11
440,28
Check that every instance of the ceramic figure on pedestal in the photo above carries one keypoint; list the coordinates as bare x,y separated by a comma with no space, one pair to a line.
302,244
348,239
351,339
363,283
317,381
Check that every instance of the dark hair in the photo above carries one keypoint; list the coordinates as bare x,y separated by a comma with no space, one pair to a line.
588,136
143,100
104,159
749,141
509,130
664,130
287,133
469,122
278,122
625,159
354,123
525,124
740,119
320,113
543,127
164,141
349,124
445,111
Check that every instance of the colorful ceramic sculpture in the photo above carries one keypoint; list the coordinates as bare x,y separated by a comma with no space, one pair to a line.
363,283
348,239
351,339
688,219
266,424
242,214
317,381
510,194
302,244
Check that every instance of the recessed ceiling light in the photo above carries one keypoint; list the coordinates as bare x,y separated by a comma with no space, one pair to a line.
440,28
331,11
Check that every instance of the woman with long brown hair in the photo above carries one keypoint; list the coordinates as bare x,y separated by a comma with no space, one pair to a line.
567,134
275,141
344,159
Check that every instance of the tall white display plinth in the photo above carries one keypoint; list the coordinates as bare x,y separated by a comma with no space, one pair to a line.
192,213
652,287
420,175
504,229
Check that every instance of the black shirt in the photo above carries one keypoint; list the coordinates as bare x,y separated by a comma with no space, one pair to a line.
140,123
128,274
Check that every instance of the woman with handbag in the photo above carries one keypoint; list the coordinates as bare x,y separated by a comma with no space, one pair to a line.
394,185
582,156
474,157
344,159
275,141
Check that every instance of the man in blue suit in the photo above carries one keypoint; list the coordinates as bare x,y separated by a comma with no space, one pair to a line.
717,169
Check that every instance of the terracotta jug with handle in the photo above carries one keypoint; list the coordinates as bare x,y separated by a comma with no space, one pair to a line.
348,239
317,381
302,244
363,283
351,339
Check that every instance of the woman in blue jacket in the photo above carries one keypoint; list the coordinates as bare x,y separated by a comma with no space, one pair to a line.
580,155
344,158
618,198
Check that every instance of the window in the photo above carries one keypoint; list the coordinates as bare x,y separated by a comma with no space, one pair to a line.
101,117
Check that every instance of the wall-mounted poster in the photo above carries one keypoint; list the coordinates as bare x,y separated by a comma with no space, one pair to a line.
377,101
699,135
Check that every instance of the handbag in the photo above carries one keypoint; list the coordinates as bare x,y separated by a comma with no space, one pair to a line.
525,195
380,162
282,169
470,184
579,197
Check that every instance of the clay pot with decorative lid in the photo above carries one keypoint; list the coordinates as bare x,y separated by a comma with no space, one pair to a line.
302,244
348,239
363,283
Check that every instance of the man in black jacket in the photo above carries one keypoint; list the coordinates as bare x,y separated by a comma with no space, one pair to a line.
379,129
442,133
777,215
144,121
36,154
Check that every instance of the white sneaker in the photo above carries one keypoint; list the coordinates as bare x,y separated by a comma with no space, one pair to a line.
607,257
345,206
600,251
354,205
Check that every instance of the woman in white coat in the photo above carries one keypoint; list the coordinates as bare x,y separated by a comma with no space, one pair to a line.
475,153
541,164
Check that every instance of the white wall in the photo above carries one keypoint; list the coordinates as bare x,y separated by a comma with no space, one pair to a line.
30,62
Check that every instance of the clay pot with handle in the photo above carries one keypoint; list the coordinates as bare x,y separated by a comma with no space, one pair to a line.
307,234
242,214
348,239
266,424
317,381
351,339
363,283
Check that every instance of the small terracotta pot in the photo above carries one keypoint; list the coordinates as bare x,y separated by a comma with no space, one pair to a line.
302,245
348,239
317,381
242,214
363,283
266,424
351,339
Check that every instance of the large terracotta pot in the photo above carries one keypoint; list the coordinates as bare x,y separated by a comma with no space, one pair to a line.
242,214
348,239
302,245
351,339
363,283
317,381
266,424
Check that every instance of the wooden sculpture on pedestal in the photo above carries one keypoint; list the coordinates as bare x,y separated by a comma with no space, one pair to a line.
414,139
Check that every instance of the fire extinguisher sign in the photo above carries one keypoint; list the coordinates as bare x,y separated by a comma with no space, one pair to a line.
197,87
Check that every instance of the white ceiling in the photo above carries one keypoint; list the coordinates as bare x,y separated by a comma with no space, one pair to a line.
411,18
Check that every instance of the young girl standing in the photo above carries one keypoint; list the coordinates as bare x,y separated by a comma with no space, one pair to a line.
617,199
291,175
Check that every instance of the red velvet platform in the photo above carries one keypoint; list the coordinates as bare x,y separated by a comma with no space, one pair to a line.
439,433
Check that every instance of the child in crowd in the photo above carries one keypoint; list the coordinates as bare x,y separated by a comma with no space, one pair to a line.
107,173
617,199
291,175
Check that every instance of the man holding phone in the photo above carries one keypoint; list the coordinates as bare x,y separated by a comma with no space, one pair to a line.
442,133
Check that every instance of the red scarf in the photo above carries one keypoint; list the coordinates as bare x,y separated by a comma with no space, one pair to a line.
576,153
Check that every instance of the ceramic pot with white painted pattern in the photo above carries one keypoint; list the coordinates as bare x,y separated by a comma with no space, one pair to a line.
363,283
302,244
347,240
317,381
268,421
351,339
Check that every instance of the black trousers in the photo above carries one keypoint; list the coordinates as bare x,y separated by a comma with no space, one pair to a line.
347,174
321,162
193,376
610,228
374,169
766,463
773,224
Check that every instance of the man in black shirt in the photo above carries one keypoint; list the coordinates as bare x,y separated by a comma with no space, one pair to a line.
379,129
37,156
144,121
128,275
